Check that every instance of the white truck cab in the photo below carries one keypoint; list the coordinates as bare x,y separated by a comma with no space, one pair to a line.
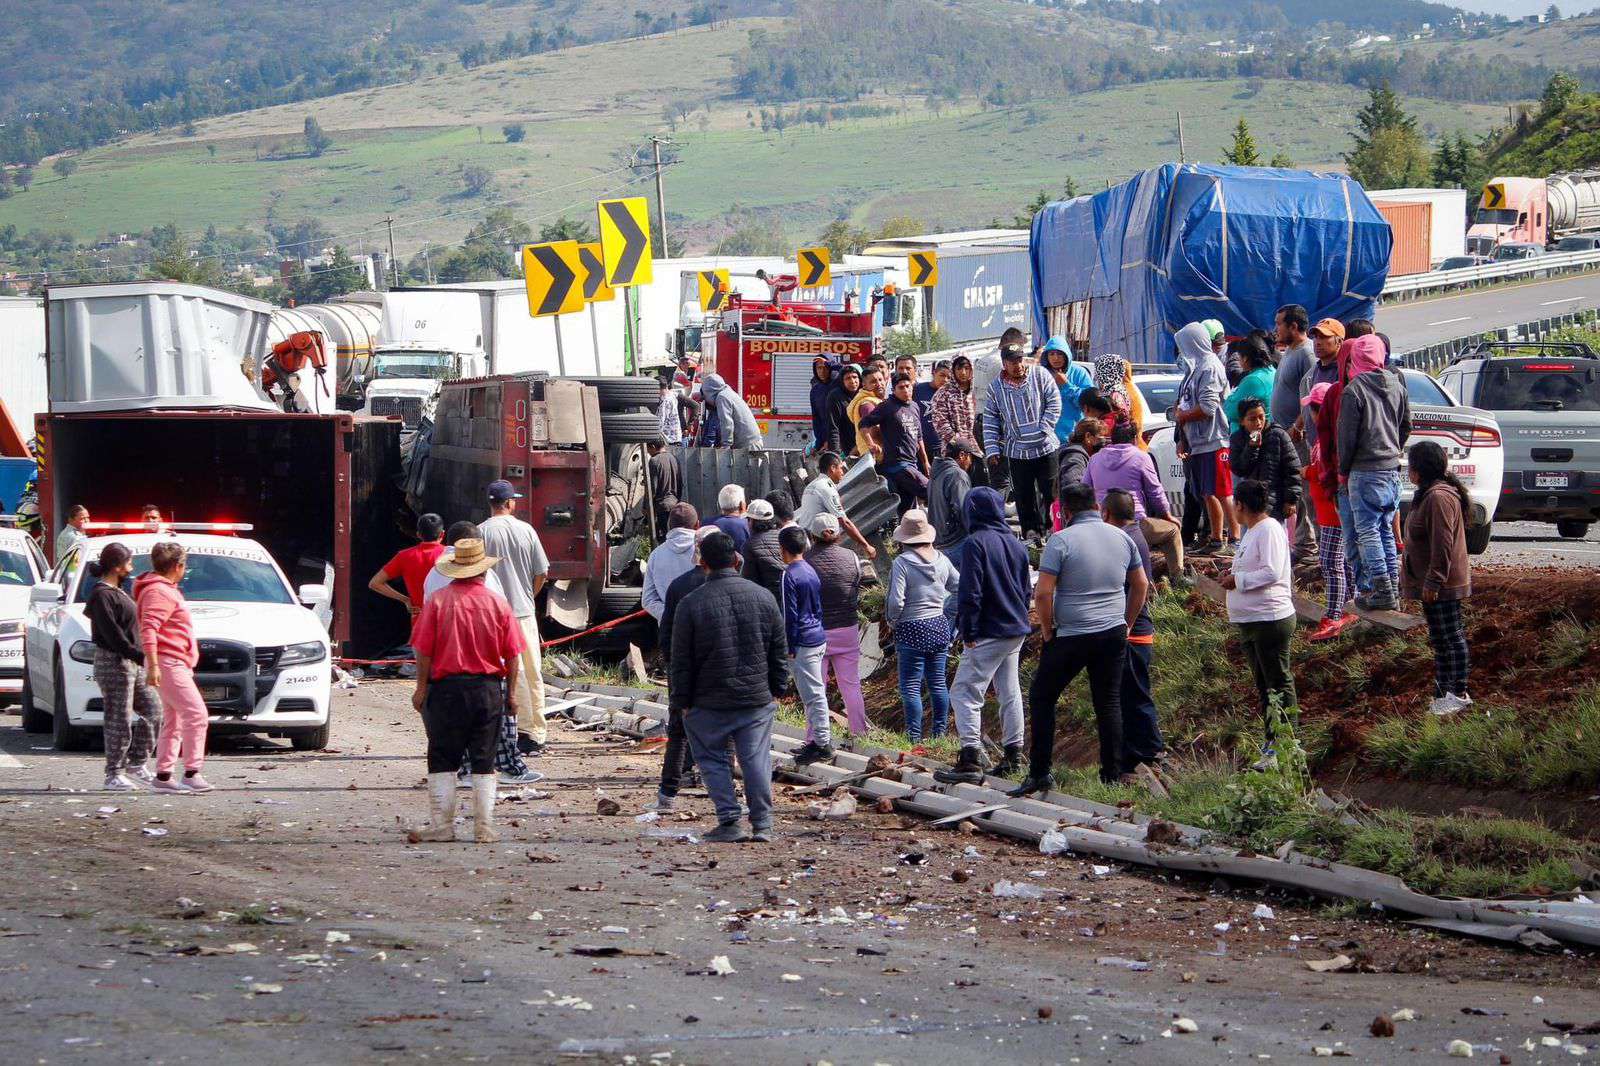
428,337
265,658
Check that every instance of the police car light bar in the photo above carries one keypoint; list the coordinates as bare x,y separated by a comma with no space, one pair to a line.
172,527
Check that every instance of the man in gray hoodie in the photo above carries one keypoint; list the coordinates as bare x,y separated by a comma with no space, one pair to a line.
952,480
738,425
1202,427
1374,422
672,557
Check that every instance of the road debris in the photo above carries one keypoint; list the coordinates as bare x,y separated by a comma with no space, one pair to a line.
1337,964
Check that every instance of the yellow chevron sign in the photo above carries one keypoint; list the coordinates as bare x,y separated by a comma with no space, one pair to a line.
1494,196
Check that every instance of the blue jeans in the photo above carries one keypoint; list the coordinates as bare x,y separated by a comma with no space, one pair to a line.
1374,502
750,731
915,667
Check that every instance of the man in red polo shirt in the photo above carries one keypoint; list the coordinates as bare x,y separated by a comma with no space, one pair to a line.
411,565
468,646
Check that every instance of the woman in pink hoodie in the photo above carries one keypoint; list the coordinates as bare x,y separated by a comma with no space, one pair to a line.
170,655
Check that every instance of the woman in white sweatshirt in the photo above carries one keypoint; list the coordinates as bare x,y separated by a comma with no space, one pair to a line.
1261,604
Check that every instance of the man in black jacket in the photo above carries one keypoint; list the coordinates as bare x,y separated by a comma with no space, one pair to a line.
763,562
677,761
729,663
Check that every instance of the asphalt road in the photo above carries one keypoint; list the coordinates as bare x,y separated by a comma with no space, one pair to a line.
284,918
1536,544
1421,323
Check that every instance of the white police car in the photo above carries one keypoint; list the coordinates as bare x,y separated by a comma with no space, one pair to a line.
22,566
265,659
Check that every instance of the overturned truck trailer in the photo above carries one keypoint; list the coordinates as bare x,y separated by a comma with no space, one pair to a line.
1121,271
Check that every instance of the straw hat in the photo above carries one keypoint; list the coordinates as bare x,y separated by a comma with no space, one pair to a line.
914,528
468,560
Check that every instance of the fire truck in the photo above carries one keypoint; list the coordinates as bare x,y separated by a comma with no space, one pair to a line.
765,350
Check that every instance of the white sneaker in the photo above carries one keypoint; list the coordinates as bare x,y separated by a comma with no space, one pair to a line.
119,783
1464,701
1444,706
143,773
171,784
1267,762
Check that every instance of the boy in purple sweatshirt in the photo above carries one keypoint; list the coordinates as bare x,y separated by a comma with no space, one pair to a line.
1121,465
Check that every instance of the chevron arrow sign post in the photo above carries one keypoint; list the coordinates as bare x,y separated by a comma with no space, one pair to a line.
595,289
553,273
625,240
924,269
815,271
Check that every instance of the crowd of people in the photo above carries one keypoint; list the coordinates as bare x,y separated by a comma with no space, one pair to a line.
1292,442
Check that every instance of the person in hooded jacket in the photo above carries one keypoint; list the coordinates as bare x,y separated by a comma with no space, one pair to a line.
736,424
841,430
1374,421
947,493
1121,466
1202,427
822,387
992,602
1262,451
1071,378
763,558
1088,437
672,557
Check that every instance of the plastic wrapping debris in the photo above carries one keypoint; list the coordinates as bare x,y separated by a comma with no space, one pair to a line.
1017,890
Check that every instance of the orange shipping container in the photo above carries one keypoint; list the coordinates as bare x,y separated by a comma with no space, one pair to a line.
1411,224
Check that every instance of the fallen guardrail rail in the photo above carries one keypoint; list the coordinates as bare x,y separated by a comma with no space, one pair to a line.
1411,286
1057,823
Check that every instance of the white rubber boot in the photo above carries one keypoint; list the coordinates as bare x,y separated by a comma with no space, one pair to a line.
441,808
483,789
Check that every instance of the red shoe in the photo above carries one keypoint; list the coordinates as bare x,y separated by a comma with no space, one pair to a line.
1326,629
1346,622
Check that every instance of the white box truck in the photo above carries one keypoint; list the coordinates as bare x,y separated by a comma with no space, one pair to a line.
592,341
1447,235
428,336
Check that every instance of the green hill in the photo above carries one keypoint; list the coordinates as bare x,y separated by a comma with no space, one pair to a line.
1550,140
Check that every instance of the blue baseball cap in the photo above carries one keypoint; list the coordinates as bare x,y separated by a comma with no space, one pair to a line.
501,491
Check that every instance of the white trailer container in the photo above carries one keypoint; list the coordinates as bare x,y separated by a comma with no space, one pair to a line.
593,340
147,345
24,377
428,336
1447,235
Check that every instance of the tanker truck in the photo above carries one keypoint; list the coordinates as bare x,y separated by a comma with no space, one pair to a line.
1535,210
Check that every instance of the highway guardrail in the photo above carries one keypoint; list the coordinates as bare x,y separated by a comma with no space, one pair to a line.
1410,286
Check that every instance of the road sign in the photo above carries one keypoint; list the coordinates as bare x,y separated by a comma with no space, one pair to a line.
714,288
625,240
552,272
1494,196
924,269
595,289
815,271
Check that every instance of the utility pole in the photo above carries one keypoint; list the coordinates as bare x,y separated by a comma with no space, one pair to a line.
1181,158
394,264
661,195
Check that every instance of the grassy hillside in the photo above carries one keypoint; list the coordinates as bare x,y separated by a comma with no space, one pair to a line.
1568,139
1568,43
402,150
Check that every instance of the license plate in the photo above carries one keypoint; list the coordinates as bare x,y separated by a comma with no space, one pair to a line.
214,692
1552,481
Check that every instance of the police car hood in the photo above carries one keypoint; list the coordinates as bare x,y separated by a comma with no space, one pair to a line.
262,625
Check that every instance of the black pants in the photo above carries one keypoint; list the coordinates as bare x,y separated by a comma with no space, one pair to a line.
911,487
462,714
677,760
1266,646
1063,659
1141,731
1196,522
1034,483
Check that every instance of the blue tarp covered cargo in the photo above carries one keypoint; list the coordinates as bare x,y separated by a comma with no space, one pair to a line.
1178,244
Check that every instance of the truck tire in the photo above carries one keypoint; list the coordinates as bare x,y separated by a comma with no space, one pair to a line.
633,427
618,601
313,739
68,737
33,719
1478,538
1572,528
625,394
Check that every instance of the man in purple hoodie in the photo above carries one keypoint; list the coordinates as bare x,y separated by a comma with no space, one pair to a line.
1121,465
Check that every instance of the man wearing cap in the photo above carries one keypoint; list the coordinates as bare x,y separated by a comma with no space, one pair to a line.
821,496
468,644
1323,341
1020,412
522,567
947,492
839,570
1232,365
763,559
730,662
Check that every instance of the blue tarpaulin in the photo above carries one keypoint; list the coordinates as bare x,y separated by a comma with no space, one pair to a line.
1178,244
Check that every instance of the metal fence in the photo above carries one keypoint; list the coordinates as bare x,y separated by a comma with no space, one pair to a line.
1411,286
1435,357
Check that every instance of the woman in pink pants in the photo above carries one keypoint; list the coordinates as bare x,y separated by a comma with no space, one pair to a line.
170,655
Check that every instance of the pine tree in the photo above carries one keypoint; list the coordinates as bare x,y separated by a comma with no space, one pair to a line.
1243,153
1389,153
1281,159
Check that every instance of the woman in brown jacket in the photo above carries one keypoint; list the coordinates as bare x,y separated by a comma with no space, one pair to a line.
1435,569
